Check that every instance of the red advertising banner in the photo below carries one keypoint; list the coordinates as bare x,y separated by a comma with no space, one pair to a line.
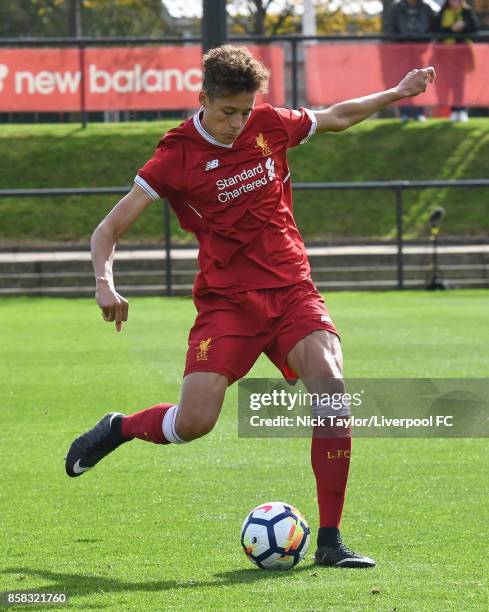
121,78
340,71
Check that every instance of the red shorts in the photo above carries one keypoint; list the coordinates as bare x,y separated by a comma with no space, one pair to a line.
231,331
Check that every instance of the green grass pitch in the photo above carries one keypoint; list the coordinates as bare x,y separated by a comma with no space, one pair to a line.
157,528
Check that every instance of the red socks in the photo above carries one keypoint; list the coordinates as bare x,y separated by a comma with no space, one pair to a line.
330,459
146,425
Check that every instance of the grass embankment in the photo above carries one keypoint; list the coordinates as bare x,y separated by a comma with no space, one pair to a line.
110,155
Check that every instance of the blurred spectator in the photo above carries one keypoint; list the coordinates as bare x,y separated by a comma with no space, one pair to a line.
457,17
410,18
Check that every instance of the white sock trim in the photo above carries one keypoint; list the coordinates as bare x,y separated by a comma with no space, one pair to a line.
168,426
327,411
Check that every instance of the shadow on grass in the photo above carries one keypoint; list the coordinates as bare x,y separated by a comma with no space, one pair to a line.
90,584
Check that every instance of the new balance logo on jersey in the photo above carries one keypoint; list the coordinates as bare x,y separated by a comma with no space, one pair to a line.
270,166
211,165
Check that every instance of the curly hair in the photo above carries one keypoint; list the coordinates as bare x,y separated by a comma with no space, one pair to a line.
232,70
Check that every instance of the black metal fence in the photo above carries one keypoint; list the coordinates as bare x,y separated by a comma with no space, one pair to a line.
396,187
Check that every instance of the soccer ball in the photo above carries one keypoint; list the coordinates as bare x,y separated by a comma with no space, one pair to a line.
275,536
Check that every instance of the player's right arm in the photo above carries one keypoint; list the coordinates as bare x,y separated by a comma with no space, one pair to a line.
114,307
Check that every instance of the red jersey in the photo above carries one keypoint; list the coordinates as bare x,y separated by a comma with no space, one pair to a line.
236,198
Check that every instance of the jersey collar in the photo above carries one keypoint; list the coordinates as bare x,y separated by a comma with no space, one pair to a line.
199,127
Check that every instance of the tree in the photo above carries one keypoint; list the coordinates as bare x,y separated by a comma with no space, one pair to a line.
58,18
32,18
347,18
255,17
124,18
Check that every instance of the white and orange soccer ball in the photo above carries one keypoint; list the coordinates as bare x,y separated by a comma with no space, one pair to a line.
275,536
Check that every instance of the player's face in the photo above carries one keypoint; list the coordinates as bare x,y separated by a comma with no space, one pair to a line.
225,116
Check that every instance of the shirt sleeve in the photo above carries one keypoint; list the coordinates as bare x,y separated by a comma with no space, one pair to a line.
154,176
300,124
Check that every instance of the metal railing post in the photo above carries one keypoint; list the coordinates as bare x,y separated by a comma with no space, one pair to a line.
83,100
295,89
168,261
400,238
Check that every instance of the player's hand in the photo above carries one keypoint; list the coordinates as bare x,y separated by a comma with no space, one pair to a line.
114,307
416,81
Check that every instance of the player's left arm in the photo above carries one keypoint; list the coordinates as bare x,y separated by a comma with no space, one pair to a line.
343,115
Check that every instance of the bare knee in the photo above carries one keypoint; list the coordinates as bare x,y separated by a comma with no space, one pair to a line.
328,365
317,356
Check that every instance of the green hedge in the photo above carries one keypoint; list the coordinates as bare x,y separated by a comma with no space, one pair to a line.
110,155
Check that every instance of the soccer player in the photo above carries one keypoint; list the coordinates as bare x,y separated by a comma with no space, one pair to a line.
225,174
